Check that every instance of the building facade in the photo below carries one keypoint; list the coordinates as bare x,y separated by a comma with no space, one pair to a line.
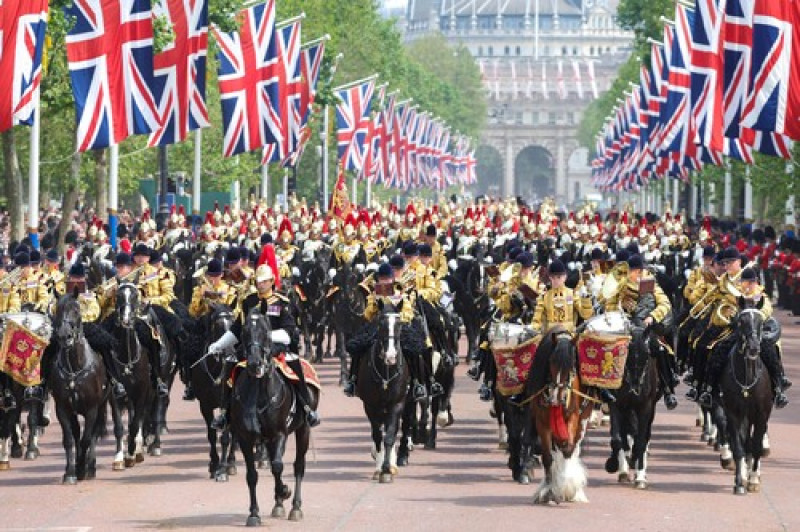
542,62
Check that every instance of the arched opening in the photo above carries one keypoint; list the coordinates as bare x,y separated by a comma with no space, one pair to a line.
489,171
534,173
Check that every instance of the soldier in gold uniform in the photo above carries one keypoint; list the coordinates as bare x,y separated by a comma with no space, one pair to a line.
54,277
560,306
628,298
438,258
211,290
31,289
736,283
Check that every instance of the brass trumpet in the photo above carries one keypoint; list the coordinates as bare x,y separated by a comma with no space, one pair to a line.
12,277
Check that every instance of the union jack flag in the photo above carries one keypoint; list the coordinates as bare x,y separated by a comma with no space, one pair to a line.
773,102
22,29
180,71
352,121
249,71
310,64
110,53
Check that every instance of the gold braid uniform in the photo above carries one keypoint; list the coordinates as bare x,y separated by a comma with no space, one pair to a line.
426,285
56,282
560,307
33,291
9,298
90,307
156,287
402,300
205,294
627,297
285,256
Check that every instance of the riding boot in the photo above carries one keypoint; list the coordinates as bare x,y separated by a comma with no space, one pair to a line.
220,421
415,361
350,385
7,400
111,370
155,369
312,418
769,355
785,382
665,376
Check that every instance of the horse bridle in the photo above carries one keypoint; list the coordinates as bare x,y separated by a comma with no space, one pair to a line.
751,357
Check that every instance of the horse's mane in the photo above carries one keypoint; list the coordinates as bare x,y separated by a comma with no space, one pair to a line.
550,350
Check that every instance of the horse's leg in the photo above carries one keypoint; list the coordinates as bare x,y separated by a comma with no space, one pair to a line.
211,436
737,440
527,438
502,426
254,519
301,438
376,422
640,445
430,442
405,432
544,493
277,447
514,439
35,407
389,439
756,451
723,438
230,462
86,439
342,354
221,474
119,434
68,442
617,462
154,437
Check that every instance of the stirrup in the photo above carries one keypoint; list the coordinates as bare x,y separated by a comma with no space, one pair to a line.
474,372
118,389
691,394
436,389
780,399
485,393
419,392
349,388
705,399
670,401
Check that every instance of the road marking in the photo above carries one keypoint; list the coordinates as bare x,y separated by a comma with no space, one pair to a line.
52,529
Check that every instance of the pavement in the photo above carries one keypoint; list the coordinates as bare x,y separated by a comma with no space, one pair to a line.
462,485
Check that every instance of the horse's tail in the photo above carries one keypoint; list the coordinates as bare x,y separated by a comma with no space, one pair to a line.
100,430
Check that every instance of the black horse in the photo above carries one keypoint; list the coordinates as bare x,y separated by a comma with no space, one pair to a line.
9,420
747,397
311,303
209,375
265,409
79,388
347,305
634,410
383,377
471,301
133,365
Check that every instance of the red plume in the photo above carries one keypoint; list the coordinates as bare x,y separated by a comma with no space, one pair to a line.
268,257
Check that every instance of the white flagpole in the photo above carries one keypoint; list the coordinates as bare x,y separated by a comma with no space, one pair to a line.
197,171
33,177
265,182
113,190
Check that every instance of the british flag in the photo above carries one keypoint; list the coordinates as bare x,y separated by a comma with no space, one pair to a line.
310,65
110,53
180,71
352,120
400,143
773,101
22,29
249,72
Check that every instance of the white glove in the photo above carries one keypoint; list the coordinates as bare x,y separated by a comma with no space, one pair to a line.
331,273
687,272
295,271
660,268
360,268
225,341
280,336
583,292
571,265
452,264
372,267
489,260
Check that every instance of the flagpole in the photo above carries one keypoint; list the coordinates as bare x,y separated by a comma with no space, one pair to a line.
283,23
196,184
355,191
748,195
323,135
286,190
33,177
727,210
354,83
113,192
265,182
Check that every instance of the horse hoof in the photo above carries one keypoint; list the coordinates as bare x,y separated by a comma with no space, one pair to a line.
503,445
739,490
612,464
402,460
130,462
385,478
430,445
5,466
278,512
69,480
640,485
163,431
623,478
765,453
16,452
524,479
376,475
221,477
231,470
296,514
727,464
253,520
753,487
139,458
32,454
155,451
118,465
393,470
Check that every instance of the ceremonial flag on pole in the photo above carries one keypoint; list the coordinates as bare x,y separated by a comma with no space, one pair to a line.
310,63
180,71
110,55
22,31
576,77
352,121
249,73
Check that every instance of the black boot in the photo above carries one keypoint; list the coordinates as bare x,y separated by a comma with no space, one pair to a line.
312,418
606,396
780,398
485,393
220,421
350,384
705,399
667,377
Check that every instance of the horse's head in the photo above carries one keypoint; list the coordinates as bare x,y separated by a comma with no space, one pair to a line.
257,343
127,304
562,367
749,324
67,320
220,321
389,326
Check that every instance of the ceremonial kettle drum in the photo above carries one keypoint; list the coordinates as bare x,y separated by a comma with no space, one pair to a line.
503,335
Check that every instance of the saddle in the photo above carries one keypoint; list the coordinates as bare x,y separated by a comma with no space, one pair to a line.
286,372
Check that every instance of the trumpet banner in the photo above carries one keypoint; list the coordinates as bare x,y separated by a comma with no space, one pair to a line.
601,359
21,353
513,366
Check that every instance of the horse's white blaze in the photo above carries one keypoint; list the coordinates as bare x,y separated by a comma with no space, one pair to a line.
391,348
725,452
5,444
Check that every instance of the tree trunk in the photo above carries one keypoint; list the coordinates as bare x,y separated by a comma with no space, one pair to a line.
101,182
13,185
69,200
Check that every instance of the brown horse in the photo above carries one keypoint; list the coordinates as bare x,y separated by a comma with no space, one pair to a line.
560,409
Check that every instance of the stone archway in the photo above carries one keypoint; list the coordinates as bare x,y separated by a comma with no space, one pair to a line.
534,173
489,171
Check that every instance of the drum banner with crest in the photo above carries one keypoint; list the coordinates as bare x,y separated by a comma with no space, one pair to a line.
602,359
20,354
513,366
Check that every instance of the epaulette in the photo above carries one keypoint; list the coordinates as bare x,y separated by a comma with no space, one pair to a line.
277,296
